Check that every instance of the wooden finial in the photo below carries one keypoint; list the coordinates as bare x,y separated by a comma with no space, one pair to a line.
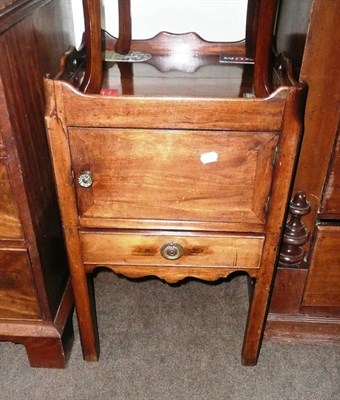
295,234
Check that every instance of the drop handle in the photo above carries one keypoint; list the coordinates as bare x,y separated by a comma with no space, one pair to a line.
172,251
85,179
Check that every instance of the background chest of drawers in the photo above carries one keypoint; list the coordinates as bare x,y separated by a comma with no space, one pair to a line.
35,298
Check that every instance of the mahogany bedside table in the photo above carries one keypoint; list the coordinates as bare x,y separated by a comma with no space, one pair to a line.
174,166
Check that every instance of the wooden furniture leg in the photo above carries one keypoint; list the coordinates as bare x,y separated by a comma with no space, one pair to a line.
125,34
84,299
256,320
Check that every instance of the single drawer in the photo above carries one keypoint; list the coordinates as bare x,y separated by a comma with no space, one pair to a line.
17,291
178,249
198,176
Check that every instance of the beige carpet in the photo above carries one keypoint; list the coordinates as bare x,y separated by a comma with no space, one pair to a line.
174,342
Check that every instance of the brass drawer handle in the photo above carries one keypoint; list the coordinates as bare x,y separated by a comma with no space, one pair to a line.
172,251
85,179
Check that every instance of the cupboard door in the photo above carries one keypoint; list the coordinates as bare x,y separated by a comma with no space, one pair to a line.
10,227
323,281
172,175
17,292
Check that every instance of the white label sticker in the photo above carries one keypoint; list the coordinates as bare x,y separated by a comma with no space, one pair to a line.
210,157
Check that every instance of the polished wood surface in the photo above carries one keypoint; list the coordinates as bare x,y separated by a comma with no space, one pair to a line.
179,76
130,168
323,288
140,112
17,295
144,248
125,27
35,297
10,224
331,197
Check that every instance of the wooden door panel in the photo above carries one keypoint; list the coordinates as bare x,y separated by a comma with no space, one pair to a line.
17,292
10,227
173,175
330,207
323,281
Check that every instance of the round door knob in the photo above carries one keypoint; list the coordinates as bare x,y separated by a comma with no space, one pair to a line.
85,179
172,251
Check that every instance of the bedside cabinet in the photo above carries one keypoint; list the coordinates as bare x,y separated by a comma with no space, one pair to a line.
178,165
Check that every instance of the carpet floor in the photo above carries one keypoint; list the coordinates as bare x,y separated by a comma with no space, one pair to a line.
162,342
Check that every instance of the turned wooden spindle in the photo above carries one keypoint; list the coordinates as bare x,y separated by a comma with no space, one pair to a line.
295,234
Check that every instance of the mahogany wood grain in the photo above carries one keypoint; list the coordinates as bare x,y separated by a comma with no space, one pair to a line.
93,73
322,286
17,291
303,329
134,249
125,27
47,345
130,168
252,27
140,112
10,226
289,285
167,43
330,208
263,55
57,135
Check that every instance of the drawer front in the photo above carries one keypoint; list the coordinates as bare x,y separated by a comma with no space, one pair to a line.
17,293
10,227
147,249
323,281
172,175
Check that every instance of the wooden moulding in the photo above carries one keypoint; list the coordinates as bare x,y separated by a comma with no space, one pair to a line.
177,113
302,328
